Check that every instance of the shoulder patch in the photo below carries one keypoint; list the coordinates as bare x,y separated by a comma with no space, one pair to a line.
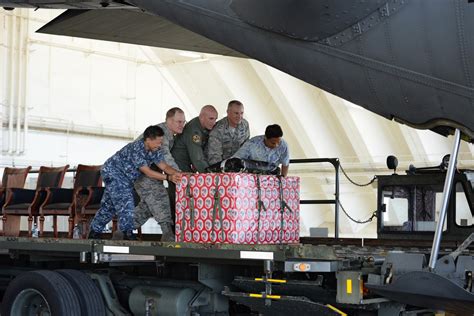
196,138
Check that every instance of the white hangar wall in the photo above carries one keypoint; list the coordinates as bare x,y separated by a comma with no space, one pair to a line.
68,101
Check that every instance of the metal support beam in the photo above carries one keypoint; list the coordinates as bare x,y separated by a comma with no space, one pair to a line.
268,269
448,184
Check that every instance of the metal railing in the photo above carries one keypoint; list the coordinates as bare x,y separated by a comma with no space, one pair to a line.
336,164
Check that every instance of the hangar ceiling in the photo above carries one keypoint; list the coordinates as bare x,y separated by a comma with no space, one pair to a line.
74,86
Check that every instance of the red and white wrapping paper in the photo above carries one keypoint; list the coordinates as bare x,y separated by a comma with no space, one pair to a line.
238,197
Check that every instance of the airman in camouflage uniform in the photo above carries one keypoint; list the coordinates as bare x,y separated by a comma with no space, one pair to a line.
189,147
119,173
154,198
269,148
229,134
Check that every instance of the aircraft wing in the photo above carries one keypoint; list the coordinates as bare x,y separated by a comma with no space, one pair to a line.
132,26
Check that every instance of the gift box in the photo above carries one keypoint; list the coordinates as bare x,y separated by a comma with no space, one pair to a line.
237,208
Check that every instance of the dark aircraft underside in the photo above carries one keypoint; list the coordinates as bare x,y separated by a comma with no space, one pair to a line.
408,60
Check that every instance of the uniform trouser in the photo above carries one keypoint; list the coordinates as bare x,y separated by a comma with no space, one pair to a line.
172,200
154,202
117,200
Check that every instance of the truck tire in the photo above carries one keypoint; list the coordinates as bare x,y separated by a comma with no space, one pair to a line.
87,292
40,292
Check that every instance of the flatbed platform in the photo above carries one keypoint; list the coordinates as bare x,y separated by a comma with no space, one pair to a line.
327,249
277,253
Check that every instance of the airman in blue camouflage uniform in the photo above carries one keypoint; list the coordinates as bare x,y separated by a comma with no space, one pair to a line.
229,134
119,173
270,148
154,198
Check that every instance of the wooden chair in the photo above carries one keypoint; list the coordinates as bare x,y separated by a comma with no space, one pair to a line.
87,210
63,202
23,202
12,178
